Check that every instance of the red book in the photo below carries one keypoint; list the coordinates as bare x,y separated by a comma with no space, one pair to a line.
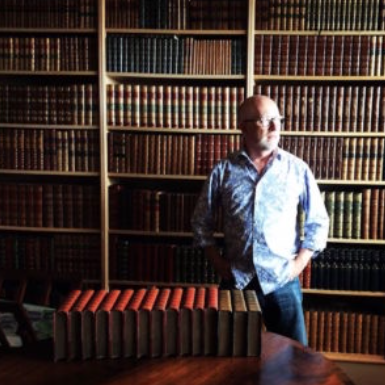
75,337
116,322
144,322
172,323
131,324
186,321
158,324
61,326
102,329
210,322
197,322
88,324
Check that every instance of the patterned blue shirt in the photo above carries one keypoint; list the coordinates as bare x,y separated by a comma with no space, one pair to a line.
260,225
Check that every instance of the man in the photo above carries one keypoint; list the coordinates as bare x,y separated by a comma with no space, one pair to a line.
259,189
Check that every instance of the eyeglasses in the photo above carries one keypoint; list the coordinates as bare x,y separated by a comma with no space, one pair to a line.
266,122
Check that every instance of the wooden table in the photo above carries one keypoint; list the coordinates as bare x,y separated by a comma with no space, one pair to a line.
283,361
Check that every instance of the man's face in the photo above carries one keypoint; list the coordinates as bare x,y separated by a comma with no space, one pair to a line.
263,133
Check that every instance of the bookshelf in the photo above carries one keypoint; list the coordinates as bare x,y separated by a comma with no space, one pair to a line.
49,138
320,62
125,115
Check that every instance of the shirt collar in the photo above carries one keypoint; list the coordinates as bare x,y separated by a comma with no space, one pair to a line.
242,154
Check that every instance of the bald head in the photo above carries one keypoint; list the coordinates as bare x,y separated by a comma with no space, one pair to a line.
257,106
260,123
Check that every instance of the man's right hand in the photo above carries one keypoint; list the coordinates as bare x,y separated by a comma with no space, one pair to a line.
222,266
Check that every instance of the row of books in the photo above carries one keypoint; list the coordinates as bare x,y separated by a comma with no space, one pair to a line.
319,55
48,14
150,210
172,105
349,269
49,205
358,214
146,262
318,15
340,158
49,149
49,104
63,255
175,55
345,331
329,108
52,253
34,53
168,154
181,14
157,322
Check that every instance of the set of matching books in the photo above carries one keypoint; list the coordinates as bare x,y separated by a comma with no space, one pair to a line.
48,14
172,105
349,269
168,154
170,55
345,331
339,158
49,205
319,55
144,262
49,104
329,108
48,53
293,15
61,254
157,322
152,210
181,14
358,214
49,149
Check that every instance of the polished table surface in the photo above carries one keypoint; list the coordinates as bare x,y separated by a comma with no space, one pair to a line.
283,361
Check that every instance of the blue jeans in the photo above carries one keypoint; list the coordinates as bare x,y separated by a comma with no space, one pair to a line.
282,309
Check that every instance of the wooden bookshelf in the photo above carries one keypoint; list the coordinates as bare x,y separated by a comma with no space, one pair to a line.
244,77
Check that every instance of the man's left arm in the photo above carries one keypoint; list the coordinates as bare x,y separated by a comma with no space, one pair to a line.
300,262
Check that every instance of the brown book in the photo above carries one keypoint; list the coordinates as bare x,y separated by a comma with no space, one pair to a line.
224,324
346,116
338,55
352,332
254,324
267,54
344,336
374,213
285,56
358,333
313,334
328,331
336,331
311,55
366,208
239,323
373,339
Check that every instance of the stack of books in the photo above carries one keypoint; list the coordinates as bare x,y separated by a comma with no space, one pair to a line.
157,322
